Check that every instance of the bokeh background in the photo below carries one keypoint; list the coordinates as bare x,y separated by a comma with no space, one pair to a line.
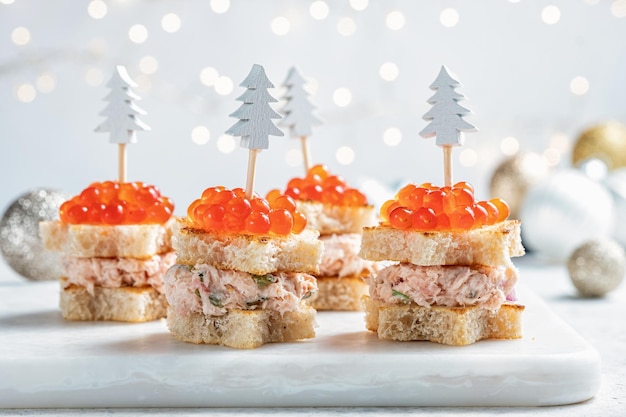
535,74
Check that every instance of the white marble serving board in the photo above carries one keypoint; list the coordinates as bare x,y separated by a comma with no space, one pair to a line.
48,362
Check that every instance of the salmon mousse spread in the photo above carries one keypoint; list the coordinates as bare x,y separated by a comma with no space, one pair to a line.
340,257
449,286
213,291
117,272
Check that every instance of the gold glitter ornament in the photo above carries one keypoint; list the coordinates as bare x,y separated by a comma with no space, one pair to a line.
604,141
20,243
514,176
597,267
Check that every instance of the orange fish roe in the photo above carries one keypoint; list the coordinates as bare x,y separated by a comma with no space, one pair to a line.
429,207
222,209
115,203
319,185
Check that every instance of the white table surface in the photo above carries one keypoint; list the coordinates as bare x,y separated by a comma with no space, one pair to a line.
599,321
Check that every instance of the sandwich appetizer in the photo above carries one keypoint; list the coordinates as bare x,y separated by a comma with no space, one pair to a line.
242,271
452,280
243,262
339,213
116,244
115,236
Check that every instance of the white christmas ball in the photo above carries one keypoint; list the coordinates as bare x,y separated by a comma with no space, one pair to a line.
563,211
594,168
616,184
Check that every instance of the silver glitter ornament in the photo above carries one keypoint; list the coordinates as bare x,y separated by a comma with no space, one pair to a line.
597,267
21,245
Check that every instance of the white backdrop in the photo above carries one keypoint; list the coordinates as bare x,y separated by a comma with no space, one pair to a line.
535,73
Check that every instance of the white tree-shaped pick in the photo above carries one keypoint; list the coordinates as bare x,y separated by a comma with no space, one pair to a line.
298,112
121,115
255,116
446,118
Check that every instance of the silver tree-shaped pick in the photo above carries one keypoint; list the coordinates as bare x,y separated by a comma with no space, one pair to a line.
255,116
121,115
446,118
298,112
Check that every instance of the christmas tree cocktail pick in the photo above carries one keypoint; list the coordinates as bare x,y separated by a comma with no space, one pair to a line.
255,116
121,115
298,113
446,119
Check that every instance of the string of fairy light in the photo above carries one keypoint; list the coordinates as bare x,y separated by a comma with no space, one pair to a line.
223,85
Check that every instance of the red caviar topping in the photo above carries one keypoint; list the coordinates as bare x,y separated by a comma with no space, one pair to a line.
429,207
221,209
115,203
320,185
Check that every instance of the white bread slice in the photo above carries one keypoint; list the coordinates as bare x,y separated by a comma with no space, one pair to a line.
243,329
128,304
107,241
248,253
338,294
331,218
488,245
457,326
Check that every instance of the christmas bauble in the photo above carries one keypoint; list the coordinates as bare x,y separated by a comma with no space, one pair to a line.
597,267
594,168
514,176
615,182
563,211
604,141
20,243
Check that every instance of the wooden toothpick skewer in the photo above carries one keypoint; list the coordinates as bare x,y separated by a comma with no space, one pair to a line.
251,170
306,154
255,124
121,162
121,113
447,165
446,119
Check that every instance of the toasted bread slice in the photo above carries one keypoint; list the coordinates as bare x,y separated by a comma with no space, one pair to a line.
457,326
107,241
128,304
331,218
488,245
243,329
247,253
338,294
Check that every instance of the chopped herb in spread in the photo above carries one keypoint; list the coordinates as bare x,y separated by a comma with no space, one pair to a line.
215,300
400,294
263,281
256,302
